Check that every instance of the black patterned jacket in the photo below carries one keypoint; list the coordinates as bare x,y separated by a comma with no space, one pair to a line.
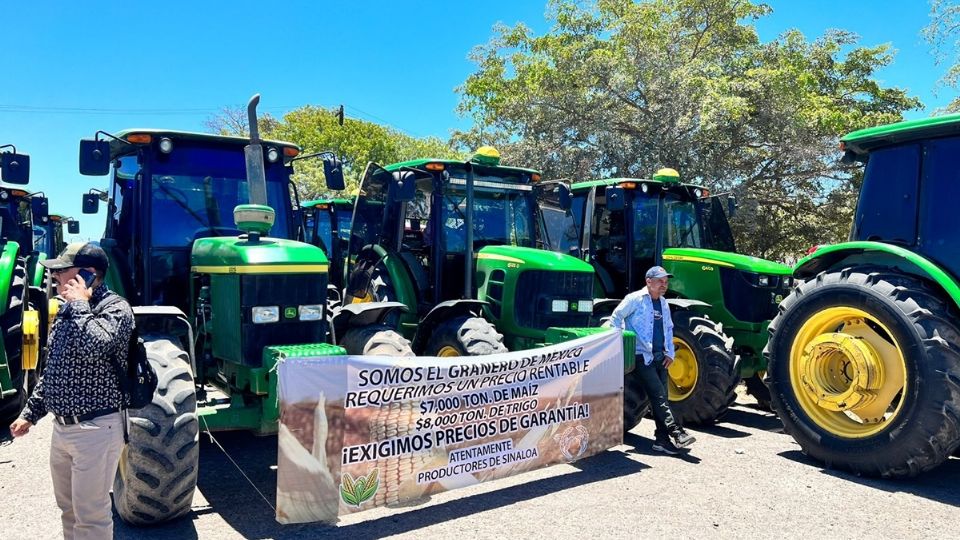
79,377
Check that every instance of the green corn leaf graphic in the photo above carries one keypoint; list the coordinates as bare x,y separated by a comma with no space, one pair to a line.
348,497
369,492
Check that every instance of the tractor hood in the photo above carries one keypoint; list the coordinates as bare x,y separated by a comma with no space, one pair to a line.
730,260
533,259
237,255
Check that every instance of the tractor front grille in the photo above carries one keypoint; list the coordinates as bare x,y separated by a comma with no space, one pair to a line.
288,292
537,289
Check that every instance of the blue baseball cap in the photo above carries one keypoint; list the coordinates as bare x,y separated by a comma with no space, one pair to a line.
658,272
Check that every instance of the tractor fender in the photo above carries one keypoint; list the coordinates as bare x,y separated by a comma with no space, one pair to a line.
686,303
442,312
865,253
167,322
363,314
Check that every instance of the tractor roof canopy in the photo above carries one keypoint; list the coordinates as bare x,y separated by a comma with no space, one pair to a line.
864,140
148,136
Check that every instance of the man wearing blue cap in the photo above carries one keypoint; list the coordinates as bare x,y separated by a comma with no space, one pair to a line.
647,313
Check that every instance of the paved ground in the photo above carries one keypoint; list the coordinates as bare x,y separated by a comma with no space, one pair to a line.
743,478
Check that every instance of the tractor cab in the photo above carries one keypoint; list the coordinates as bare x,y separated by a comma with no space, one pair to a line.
456,240
326,224
170,189
48,238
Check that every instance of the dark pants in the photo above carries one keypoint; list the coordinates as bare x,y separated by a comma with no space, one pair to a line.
654,381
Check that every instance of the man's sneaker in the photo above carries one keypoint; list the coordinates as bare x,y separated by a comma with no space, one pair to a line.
682,439
666,446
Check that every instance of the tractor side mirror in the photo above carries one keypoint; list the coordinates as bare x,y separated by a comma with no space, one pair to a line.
333,172
39,207
15,168
73,226
91,203
94,158
615,198
731,206
404,186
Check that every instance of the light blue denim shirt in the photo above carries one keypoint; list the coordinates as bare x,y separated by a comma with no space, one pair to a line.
635,312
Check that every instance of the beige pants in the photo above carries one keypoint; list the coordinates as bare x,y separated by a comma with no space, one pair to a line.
83,462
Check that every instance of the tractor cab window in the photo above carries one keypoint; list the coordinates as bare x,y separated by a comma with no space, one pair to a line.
887,210
609,233
500,217
645,210
940,191
324,228
682,226
561,228
121,225
716,226
370,211
41,241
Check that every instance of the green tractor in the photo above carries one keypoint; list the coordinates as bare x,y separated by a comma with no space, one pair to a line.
22,325
623,226
864,357
326,224
48,237
216,300
456,243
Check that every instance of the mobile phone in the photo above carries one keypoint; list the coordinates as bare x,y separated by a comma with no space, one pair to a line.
87,277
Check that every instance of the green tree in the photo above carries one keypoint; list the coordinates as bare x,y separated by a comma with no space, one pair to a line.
316,129
943,33
623,88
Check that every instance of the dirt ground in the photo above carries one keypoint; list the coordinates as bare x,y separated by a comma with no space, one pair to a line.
743,478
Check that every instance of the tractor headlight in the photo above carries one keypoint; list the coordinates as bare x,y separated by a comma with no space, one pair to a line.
166,145
265,314
764,281
560,305
585,306
313,312
787,281
273,154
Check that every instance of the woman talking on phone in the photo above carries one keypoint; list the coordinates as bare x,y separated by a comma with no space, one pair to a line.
79,387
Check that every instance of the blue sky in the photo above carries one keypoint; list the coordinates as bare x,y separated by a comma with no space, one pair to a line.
71,68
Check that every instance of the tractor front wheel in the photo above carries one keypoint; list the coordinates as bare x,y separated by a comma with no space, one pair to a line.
465,336
863,365
158,468
702,381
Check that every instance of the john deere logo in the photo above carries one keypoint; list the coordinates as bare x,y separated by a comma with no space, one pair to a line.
356,491
290,313
777,298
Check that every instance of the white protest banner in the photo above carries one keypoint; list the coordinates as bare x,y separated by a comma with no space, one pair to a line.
358,432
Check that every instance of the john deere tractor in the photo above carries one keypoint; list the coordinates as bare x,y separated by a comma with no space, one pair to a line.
326,224
216,299
864,357
623,226
456,243
48,237
20,321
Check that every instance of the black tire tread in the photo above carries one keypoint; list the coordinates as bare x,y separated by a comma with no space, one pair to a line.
472,336
716,388
375,340
920,445
157,477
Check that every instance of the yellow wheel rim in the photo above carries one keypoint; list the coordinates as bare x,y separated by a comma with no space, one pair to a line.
848,372
448,350
683,372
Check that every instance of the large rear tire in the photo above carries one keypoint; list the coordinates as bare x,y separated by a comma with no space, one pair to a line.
12,321
702,381
864,371
375,340
158,469
465,336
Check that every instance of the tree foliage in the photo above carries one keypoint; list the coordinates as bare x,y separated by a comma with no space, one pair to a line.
316,129
943,33
620,88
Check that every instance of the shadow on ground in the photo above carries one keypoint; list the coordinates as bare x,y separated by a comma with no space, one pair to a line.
231,496
938,485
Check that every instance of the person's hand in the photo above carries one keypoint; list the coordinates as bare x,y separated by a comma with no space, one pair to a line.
667,361
20,427
75,289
